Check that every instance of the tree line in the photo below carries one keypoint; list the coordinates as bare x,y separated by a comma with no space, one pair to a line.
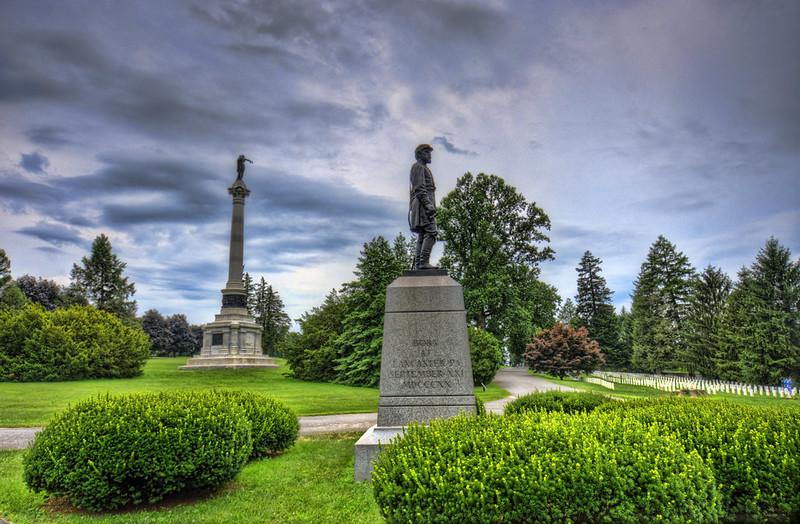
681,320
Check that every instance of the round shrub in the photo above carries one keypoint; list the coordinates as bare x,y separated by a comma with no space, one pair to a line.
542,467
753,451
274,425
108,452
68,344
486,356
561,401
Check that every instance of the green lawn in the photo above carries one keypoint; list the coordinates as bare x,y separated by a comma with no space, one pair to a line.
312,482
626,391
620,391
33,403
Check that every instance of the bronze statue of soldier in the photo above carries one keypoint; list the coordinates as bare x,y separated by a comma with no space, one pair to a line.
422,208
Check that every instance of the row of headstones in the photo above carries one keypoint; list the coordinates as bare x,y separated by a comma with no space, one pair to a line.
600,382
669,383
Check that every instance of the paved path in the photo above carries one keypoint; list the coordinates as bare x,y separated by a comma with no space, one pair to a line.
516,381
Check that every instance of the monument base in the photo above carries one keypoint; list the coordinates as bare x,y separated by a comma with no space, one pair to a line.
232,341
426,372
368,447
231,362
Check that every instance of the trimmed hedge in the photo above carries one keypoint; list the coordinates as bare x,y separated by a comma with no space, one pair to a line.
109,452
68,344
543,467
275,427
753,451
559,401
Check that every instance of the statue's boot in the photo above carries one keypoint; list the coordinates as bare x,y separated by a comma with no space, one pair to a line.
425,253
417,252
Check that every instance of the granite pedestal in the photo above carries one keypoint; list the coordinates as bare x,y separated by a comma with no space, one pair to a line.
426,372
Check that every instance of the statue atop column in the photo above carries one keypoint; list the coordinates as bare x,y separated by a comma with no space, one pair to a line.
422,207
240,166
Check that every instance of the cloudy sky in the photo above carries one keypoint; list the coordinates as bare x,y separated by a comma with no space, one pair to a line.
622,120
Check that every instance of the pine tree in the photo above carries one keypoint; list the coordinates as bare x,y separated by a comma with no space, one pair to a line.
100,279
660,303
594,308
625,341
710,291
764,321
250,292
359,346
5,269
268,310
568,314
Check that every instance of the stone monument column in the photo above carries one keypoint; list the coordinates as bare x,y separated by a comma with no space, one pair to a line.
234,296
233,339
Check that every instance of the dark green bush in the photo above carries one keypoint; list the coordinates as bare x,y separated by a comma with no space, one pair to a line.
274,425
68,344
561,401
543,467
754,451
486,356
109,452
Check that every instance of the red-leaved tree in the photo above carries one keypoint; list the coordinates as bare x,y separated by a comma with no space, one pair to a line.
563,350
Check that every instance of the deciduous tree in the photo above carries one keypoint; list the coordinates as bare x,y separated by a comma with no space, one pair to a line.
563,350
494,243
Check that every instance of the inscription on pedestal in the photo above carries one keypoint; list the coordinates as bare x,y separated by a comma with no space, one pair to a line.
422,369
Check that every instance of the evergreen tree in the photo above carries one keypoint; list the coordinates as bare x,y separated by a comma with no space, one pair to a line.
250,293
494,242
625,341
100,280
311,353
710,291
595,310
182,341
5,269
359,346
568,314
763,327
155,325
660,303
269,312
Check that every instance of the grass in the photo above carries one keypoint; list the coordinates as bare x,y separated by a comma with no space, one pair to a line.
33,403
627,391
620,391
312,482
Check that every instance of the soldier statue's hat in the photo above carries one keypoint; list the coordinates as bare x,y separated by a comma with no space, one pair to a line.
422,147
